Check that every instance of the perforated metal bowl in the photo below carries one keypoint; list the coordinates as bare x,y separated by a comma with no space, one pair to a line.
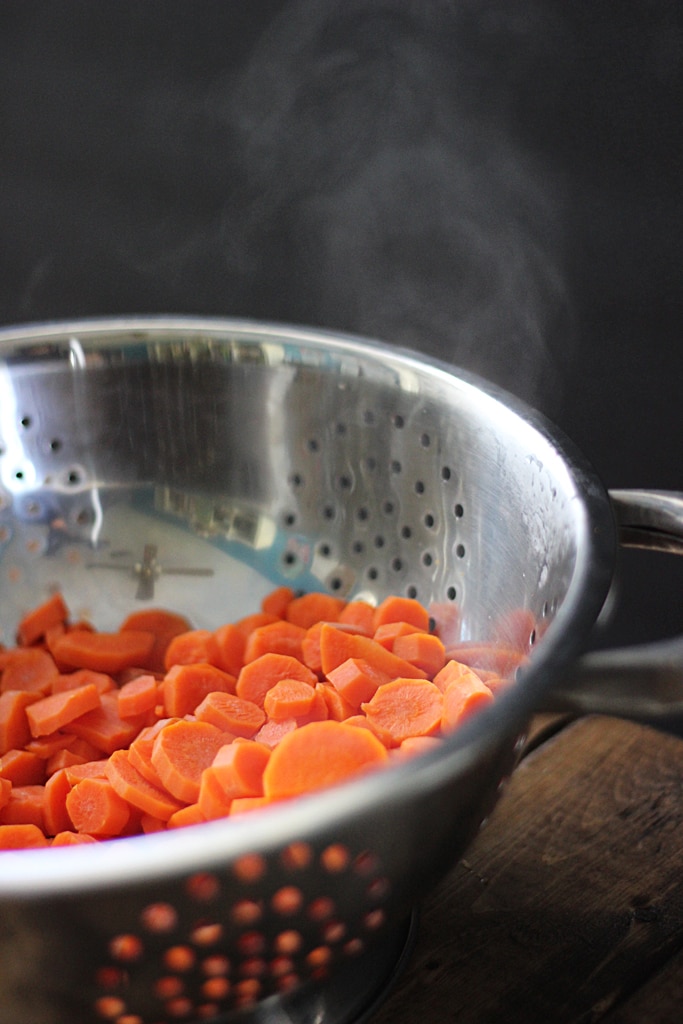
194,465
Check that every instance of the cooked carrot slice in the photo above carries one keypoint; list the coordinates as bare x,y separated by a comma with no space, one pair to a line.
257,677
462,698
249,623
67,838
181,752
190,815
453,671
212,802
413,746
243,804
422,649
164,625
318,755
278,637
272,732
337,645
186,686
136,790
22,768
401,609
46,746
51,713
359,614
405,707
24,807
337,708
494,658
225,648
314,607
103,652
231,714
15,732
388,632
81,677
138,696
5,791
35,623
140,750
275,603
21,837
239,767
29,668
96,769
318,710
356,680
289,698
187,648
96,808
55,815
104,727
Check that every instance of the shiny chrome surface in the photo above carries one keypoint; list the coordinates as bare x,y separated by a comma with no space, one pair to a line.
196,464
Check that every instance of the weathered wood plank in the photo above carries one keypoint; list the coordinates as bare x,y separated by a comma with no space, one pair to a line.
570,898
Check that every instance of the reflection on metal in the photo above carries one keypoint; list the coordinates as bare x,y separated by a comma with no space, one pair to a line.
211,518
148,570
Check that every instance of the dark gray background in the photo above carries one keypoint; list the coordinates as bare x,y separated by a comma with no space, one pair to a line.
497,183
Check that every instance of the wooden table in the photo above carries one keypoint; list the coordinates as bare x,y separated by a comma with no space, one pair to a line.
568,907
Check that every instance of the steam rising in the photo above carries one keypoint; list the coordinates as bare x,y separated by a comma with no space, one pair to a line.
380,159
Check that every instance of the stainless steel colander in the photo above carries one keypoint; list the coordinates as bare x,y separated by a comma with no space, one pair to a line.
196,464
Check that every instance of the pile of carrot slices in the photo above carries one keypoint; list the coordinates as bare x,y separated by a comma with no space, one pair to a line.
159,725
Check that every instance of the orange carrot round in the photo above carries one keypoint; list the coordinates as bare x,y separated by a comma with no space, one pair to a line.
96,808
318,755
405,707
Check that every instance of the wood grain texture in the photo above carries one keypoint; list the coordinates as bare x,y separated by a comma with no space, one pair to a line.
570,900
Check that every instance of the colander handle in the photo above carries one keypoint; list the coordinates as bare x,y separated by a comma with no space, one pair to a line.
643,683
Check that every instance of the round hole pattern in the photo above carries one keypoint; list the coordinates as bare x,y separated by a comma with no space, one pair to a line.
281,925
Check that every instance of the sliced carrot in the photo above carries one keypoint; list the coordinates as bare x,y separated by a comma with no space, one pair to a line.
21,837
289,698
164,625
413,746
422,649
272,732
314,607
187,648
149,824
181,752
140,751
337,645
46,746
401,609
136,790
239,767
29,668
388,632
22,768
213,801
55,815
104,727
51,713
453,671
186,686
257,677
231,714
81,677
225,648
5,791
75,773
317,712
244,804
95,807
356,680
15,731
462,698
337,708
249,623
24,807
103,652
190,815
275,603
278,637
68,838
360,614
63,759
405,707
138,696
318,755
35,623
